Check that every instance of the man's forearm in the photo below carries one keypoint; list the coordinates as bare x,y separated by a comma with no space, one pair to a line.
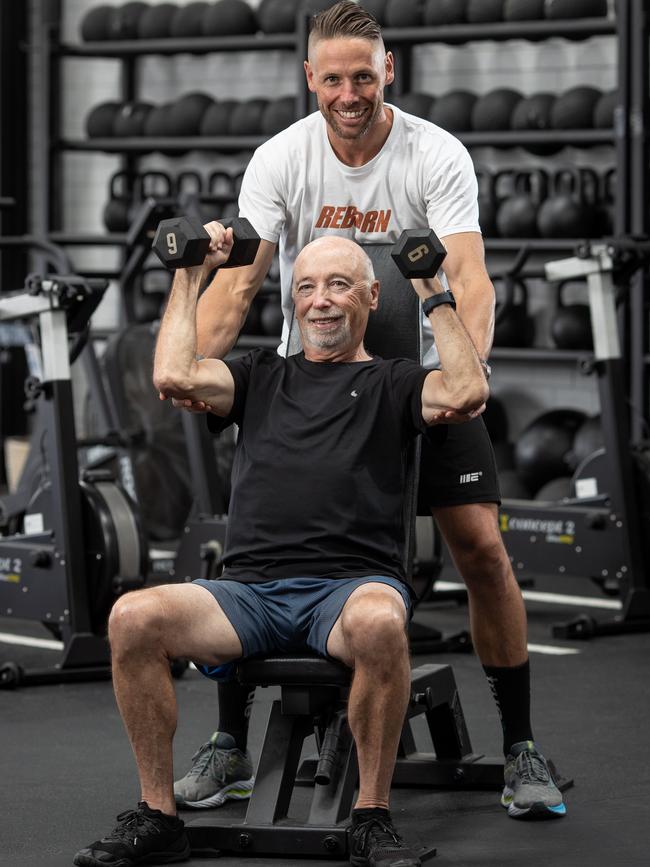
176,346
475,308
220,314
463,375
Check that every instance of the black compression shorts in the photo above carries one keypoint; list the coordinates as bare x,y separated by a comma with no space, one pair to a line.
457,467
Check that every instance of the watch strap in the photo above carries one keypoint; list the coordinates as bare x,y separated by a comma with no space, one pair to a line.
434,301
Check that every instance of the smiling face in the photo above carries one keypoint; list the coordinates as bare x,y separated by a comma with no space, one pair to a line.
348,76
334,290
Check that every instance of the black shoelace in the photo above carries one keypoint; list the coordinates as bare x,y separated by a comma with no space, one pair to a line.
531,768
133,824
381,834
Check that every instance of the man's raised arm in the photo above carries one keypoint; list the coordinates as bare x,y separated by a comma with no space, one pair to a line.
177,372
458,391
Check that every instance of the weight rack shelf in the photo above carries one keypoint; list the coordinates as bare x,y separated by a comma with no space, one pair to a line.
539,353
197,45
453,34
538,245
499,31
230,144
224,143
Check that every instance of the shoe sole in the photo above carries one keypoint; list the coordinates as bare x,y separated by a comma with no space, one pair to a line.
357,861
537,811
152,858
239,791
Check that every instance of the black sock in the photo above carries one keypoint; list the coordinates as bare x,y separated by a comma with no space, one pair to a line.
365,813
235,701
511,690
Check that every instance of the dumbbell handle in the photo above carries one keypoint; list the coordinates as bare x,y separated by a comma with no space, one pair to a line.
166,242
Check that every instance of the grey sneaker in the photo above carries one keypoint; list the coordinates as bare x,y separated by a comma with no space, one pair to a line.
219,772
530,791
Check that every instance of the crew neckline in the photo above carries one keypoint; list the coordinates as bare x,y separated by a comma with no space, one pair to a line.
300,357
369,166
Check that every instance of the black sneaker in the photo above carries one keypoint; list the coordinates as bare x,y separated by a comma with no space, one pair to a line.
375,843
141,836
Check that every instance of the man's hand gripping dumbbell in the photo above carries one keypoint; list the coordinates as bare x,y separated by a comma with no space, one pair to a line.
193,250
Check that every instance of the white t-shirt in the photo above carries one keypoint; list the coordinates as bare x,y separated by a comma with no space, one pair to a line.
295,189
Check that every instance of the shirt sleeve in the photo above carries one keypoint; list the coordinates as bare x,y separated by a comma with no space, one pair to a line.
407,380
452,196
262,198
241,372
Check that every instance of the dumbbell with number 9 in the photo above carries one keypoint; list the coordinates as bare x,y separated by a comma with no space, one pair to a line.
418,253
182,242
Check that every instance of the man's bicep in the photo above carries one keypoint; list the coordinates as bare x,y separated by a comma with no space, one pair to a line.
465,258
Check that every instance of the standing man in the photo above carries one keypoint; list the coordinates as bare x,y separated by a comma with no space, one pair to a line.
366,170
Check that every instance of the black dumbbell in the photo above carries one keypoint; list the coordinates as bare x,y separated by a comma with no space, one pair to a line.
418,253
183,242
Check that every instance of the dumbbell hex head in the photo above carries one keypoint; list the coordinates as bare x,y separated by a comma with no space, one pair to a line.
418,253
182,242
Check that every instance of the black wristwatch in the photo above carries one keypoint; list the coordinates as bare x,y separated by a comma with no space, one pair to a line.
435,300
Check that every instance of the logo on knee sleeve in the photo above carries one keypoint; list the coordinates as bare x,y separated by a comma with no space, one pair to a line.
470,477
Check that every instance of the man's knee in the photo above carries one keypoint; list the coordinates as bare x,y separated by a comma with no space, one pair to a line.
136,618
474,540
374,626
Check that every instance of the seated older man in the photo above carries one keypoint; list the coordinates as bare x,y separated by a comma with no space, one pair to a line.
314,550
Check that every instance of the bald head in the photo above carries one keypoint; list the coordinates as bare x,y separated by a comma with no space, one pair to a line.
341,252
334,290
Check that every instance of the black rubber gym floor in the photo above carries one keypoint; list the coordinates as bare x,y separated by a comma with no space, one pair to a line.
66,768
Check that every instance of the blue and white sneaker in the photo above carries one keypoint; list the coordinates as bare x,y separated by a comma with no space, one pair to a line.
530,791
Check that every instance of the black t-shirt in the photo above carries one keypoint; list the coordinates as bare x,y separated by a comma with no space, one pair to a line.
318,474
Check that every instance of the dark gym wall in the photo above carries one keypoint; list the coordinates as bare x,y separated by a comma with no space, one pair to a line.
13,135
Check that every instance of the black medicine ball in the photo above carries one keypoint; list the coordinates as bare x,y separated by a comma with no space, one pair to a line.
229,18
403,13
278,115
246,118
575,108
99,123
453,111
484,11
155,22
216,118
494,111
188,20
123,23
277,16
95,23
130,119
441,12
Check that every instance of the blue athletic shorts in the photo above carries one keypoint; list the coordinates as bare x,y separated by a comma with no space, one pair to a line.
292,614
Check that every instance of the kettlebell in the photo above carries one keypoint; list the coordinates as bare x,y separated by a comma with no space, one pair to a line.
188,183
155,184
566,214
117,210
513,324
517,215
487,207
571,324
272,317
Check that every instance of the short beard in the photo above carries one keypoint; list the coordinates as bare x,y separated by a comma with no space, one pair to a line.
328,339
345,134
